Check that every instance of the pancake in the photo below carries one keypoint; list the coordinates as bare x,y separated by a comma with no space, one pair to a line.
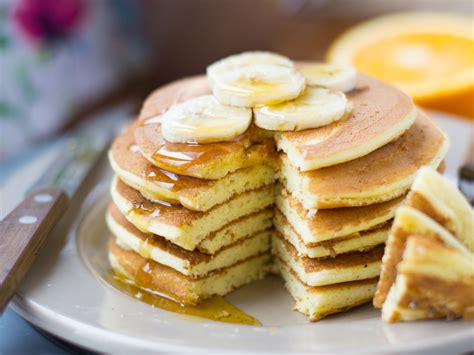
208,161
180,225
356,242
382,175
322,272
433,280
160,100
190,263
319,302
380,114
317,226
237,229
409,221
437,198
193,193
189,291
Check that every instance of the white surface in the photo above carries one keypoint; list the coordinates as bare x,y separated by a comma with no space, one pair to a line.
66,295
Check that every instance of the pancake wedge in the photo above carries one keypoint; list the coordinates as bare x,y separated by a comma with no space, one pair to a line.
437,198
190,263
380,114
180,225
409,221
356,242
319,302
189,291
196,194
317,226
382,175
321,272
433,280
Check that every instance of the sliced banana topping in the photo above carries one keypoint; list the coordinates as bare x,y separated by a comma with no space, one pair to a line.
245,59
331,76
204,120
258,84
316,107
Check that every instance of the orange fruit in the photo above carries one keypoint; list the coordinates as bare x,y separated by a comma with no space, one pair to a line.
430,56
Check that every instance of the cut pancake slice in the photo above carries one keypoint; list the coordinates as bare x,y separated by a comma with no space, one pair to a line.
190,263
236,230
208,161
319,302
409,221
180,225
190,291
356,242
325,225
382,175
193,193
437,198
321,272
380,114
433,280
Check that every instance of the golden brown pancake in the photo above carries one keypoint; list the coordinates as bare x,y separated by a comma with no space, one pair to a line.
160,100
189,291
208,161
433,280
380,113
409,221
382,175
439,199
328,271
180,225
320,301
197,194
190,263
355,242
334,223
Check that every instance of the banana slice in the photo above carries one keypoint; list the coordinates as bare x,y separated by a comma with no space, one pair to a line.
331,76
244,60
316,107
204,120
258,84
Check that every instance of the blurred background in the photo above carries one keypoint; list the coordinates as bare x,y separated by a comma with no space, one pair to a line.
62,61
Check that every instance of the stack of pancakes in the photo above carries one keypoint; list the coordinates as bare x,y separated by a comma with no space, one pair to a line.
195,220
340,187
190,220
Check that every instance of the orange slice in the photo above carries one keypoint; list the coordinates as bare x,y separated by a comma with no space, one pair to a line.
430,56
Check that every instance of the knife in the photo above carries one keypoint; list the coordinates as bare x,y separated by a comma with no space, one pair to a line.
24,230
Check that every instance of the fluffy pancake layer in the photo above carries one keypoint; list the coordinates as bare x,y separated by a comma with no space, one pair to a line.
193,193
319,302
356,242
180,225
335,223
190,263
437,198
380,113
433,281
407,222
382,175
189,291
321,272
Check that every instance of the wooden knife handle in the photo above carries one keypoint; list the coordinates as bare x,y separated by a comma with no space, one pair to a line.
22,233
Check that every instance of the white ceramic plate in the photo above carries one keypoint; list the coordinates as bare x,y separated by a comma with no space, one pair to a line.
67,295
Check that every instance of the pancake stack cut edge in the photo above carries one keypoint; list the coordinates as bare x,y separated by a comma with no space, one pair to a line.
197,220
428,267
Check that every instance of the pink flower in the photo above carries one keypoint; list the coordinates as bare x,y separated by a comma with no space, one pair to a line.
48,20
